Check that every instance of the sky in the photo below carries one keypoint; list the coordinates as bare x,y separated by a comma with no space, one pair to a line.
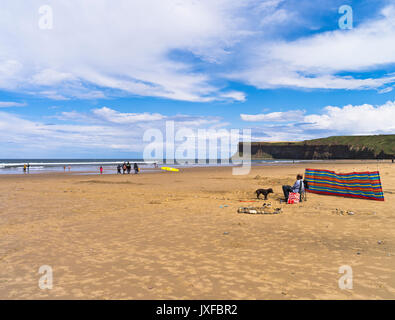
87,79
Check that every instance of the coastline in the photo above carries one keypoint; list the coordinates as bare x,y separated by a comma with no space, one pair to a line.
91,169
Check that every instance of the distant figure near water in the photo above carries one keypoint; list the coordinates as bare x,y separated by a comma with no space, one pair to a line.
24,168
128,167
124,168
136,168
119,169
101,170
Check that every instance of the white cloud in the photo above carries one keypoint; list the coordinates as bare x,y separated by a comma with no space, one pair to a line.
99,48
234,95
7,104
363,119
197,121
316,61
336,50
347,120
53,95
122,46
295,115
276,17
89,133
27,137
50,77
111,115
385,90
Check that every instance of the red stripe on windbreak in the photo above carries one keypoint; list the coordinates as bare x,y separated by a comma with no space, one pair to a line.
327,182
345,187
375,181
345,195
344,174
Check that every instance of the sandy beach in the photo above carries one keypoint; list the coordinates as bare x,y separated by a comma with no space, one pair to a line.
179,236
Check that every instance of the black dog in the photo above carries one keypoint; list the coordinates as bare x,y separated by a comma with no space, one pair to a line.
265,192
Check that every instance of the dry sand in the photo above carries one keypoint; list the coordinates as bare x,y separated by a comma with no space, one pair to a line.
165,236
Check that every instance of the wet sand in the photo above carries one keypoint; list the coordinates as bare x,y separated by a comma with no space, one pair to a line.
179,236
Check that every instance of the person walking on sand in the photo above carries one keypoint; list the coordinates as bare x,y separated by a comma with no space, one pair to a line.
128,167
136,168
101,170
24,168
119,169
297,187
124,168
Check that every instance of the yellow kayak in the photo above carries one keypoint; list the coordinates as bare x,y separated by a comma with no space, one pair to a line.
170,169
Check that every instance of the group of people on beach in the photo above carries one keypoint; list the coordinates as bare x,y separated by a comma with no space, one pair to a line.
127,167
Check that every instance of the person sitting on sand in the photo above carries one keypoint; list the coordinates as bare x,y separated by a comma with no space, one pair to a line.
297,187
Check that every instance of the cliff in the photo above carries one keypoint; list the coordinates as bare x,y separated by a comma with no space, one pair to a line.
342,147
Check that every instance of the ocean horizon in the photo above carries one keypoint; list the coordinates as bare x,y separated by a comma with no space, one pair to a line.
92,165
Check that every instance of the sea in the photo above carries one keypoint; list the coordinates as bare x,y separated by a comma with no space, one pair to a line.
92,166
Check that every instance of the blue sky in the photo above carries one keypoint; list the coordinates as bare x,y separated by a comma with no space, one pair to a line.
91,84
